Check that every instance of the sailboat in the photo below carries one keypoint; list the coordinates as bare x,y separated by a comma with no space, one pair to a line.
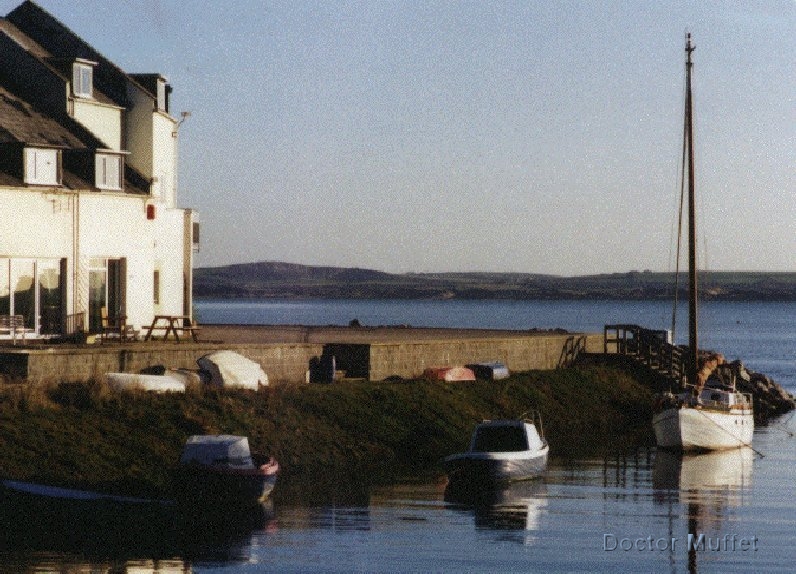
706,415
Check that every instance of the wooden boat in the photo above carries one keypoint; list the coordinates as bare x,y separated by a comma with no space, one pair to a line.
701,417
219,470
500,451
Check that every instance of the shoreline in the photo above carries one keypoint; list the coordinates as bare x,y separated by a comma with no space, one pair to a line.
381,433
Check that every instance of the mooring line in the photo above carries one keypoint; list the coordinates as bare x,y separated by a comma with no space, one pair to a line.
732,435
783,425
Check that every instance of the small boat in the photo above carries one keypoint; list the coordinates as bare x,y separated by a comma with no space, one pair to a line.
500,451
449,374
219,470
701,417
489,371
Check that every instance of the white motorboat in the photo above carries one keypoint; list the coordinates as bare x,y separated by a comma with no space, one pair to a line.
500,451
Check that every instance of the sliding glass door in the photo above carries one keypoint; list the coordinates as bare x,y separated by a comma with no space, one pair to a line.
106,290
34,288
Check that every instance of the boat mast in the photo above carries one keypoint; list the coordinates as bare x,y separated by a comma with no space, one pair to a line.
692,263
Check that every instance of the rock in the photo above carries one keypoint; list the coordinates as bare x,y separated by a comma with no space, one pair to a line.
768,397
231,370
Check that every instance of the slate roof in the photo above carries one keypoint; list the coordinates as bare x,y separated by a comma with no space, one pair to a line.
60,42
22,123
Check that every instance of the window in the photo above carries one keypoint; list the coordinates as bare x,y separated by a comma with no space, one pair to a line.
108,171
42,166
82,80
33,288
156,287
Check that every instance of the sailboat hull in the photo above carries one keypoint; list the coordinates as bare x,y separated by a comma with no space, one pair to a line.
691,428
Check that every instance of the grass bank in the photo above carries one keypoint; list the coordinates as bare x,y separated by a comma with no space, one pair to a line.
84,436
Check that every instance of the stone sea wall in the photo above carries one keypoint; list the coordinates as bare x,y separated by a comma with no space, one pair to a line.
290,362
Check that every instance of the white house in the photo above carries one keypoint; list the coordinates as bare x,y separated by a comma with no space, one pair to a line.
88,158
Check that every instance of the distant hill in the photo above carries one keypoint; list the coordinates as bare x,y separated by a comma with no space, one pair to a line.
269,279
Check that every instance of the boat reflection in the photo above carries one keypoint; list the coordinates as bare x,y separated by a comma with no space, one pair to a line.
514,506
153,538
709,485
714,481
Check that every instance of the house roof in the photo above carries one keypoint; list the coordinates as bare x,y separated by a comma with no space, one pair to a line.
60,42
25,120
20,122
58,66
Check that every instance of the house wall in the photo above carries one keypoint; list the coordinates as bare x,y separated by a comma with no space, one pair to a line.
81,226
39,225
116,226
103,120
152,142
36,223
138,134
169,255
164,157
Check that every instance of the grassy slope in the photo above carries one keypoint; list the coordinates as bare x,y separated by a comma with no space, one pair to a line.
83,436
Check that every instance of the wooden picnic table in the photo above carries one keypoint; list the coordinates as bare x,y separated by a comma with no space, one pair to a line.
172,324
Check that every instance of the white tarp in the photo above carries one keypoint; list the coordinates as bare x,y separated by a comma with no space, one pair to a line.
153,383
218,450
229,369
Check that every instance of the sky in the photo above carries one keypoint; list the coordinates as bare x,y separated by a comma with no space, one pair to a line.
425,136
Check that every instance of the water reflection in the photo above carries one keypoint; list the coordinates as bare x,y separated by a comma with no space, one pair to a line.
709,485
514,506
56,535
712,482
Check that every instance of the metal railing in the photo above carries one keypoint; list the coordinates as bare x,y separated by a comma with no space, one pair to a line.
75,323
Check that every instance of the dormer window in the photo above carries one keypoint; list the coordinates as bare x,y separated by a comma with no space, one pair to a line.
42,166
82,79
109,169
163,95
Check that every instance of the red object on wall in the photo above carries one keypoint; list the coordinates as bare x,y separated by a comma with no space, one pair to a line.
150,211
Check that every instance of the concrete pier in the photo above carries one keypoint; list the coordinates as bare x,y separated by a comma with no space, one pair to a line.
286,352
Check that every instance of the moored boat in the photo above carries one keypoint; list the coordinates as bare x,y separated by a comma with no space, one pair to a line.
718,418
493,371
220,470
704,415
449,374
500,451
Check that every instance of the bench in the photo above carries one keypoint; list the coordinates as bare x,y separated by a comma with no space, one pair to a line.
13,326
175,324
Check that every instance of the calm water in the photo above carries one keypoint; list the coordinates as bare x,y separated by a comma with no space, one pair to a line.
618,515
